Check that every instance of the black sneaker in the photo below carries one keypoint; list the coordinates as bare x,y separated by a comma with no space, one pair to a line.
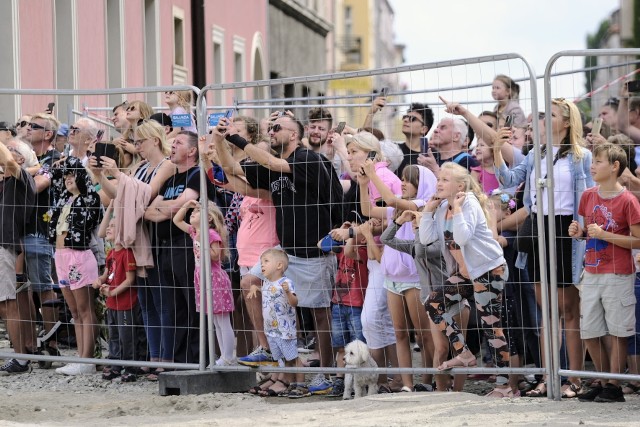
610,393
590,395
338,388
14,367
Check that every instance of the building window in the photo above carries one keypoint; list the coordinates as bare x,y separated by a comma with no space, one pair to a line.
218,62
178,41
238,64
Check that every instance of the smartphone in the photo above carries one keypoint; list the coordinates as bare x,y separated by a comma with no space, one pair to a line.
384,91
99,135
340,127
597,125
229,113
50,107
280,113
372,155
424,144
106,150
508,121
633,86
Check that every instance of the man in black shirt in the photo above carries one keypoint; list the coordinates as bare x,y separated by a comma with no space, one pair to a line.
17,196
41,132
300,182
173,249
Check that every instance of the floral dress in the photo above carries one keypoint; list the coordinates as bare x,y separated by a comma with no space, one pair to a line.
220,283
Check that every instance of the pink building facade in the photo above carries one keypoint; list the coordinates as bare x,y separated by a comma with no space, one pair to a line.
99,44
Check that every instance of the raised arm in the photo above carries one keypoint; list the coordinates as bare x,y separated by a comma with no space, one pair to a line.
377,105
387,195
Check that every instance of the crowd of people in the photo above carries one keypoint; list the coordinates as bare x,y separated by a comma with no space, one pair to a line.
325,233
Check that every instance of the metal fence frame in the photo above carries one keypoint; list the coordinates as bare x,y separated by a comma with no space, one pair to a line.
549,183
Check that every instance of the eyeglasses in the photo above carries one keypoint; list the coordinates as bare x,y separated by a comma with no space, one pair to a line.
36,126
22,124
73,129
412,119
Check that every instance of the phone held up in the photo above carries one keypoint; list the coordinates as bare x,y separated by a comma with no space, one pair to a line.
384,91
508,121
597,126
633,86
105,150
340,127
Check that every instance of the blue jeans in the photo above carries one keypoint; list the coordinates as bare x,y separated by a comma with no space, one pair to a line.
158,314
345,325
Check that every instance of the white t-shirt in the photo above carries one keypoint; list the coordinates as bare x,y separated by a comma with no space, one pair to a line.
562,187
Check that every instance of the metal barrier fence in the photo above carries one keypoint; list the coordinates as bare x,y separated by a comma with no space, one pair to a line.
342,99
552,238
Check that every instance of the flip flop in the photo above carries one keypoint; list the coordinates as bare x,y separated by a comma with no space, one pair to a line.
539,391
269,392
570,390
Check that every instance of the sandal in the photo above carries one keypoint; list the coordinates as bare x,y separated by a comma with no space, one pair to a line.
406,389
269,392
256,389
503,392
539,391
570,390
525,386
630,388
384,388
458,362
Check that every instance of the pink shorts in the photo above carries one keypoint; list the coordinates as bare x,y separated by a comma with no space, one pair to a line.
76,269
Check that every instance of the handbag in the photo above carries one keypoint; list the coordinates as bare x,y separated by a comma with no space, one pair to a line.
527,235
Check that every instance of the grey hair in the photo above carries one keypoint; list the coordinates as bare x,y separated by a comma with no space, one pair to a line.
29,156
88,126
461,127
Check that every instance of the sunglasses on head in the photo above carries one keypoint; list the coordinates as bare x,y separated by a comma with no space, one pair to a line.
412,118
22,124
35,126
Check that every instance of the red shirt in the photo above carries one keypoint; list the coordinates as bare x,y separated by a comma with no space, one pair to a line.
118,264
352,279
614,215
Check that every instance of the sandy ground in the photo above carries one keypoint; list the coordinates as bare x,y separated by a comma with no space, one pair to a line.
45,398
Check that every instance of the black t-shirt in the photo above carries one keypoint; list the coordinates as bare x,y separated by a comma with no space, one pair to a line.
463,159
38,220
302,218
171,190
17,197
410,158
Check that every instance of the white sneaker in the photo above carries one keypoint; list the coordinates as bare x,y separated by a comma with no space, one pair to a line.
67,369
225,362
77,369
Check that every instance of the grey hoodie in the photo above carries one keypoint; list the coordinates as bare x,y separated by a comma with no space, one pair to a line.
481,252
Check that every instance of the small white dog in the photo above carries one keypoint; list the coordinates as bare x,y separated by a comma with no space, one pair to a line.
356,355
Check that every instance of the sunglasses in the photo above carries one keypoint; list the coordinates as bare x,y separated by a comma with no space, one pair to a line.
73,129
35,126
5,130
277,128
131,108
412,119
169,92
22,124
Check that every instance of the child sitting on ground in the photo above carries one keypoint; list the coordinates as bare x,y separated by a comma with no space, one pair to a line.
279,302
607,302
127,339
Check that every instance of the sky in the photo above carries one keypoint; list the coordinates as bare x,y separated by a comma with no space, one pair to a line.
455,29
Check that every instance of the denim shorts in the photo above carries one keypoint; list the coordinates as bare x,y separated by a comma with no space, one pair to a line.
38,256
345,325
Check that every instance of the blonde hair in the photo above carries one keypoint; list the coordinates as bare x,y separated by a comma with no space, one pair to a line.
571,113
216,221
150,129
184,99
514,88
461,174
279,255
366,142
